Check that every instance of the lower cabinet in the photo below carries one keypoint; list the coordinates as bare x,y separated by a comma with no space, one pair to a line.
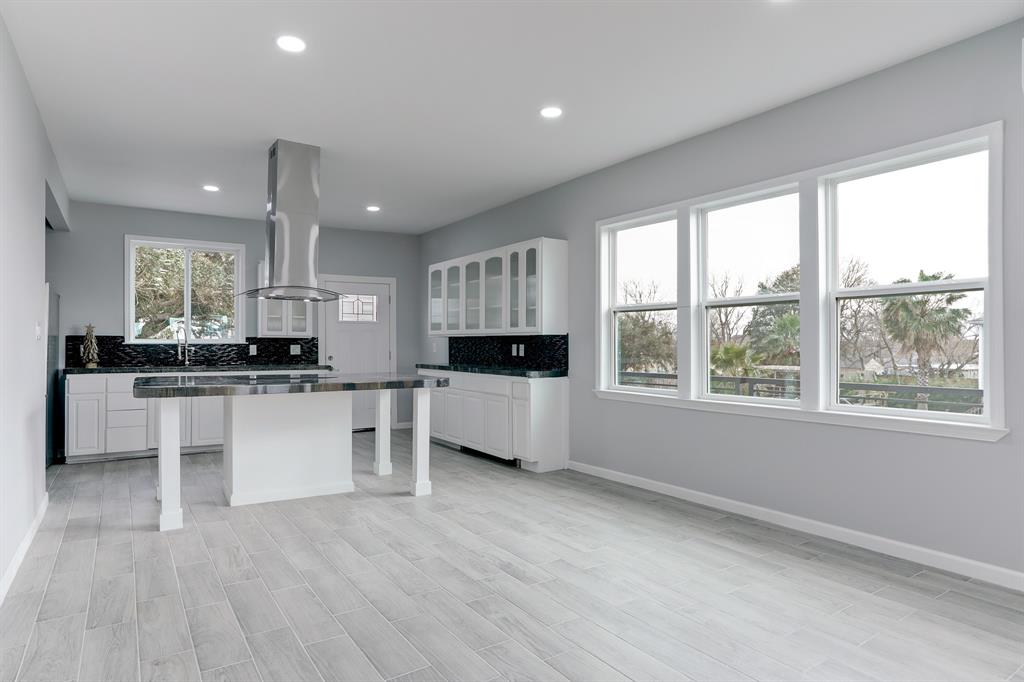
207,423
86,423
511,418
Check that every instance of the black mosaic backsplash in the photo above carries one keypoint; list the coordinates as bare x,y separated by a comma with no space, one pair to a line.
545,351
114,352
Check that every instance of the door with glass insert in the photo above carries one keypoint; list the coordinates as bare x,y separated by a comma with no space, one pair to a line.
493,296
436,286
453,298
473,298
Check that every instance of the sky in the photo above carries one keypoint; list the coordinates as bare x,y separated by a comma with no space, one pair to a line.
932,217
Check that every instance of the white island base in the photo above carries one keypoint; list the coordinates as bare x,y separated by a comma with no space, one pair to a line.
285,439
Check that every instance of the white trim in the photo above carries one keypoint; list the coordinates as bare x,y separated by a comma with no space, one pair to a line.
19,556
131,241
998,575
321,324
793,412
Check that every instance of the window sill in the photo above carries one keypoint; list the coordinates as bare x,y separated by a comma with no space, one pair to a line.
980,432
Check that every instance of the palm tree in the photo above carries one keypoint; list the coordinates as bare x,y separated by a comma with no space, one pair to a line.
782,343
733,359
923,322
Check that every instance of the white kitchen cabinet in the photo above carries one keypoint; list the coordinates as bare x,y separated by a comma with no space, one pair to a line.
290,319
508,417
207,425
86,415
518,289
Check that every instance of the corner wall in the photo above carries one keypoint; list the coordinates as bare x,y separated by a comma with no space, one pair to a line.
27,164
958,497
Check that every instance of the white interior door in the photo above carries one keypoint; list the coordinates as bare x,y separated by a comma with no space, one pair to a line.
357,337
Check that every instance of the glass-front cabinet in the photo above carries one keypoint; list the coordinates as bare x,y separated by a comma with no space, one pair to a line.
283,318
519,289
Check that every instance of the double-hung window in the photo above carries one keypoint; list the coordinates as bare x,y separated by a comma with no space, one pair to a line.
749,292
908,284
177,288
643,311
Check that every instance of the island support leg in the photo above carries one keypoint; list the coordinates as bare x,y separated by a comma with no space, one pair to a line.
382,444
421,441
169,463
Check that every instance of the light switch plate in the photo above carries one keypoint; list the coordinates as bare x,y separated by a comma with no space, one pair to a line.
514,353
522,351
252,349
295,349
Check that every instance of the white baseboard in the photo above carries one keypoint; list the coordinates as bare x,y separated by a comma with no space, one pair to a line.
991,573
19,556
402,425
236,499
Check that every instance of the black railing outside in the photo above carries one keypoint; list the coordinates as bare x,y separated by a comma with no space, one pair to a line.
933,398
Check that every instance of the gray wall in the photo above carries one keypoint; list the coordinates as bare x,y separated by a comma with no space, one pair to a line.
956,496
28,166
86,265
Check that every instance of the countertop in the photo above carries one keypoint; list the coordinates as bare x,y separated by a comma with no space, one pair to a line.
500,371
180,369
266,384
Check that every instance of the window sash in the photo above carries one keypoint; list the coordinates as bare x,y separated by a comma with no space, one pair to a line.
188,247
614,332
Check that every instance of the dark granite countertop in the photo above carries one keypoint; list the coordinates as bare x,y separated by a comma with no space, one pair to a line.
178,369
500,371
267,384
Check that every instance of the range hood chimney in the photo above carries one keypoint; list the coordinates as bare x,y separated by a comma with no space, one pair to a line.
293,225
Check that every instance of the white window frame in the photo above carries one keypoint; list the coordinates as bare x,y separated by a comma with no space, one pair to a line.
817,302
609,295
132,242
884,163
705,303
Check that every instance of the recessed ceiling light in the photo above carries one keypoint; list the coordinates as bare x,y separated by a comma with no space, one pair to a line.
291,43
551,112
211,188
372,208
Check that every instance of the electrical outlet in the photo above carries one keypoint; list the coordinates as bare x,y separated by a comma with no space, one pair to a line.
296,350
522,351
252,349
514,353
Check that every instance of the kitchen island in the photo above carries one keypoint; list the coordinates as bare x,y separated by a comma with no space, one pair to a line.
285,436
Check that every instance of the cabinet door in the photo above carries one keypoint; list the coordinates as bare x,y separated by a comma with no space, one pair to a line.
496,425
473,420
521,429
299,314
436,287
531,279
437,412
153,423
453,417
494,293
207,420
515,278
473,292
272,318
453,298
86,423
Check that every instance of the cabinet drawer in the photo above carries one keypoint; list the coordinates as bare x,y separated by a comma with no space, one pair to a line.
121,383
124,401
126,418
520,390
87,383
126,439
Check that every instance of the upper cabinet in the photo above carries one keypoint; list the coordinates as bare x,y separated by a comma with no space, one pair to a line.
283,318
518,289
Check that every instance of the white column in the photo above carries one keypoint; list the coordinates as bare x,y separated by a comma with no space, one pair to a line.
421,441
382,446
169,463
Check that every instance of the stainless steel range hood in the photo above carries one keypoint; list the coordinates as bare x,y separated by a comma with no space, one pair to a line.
293,225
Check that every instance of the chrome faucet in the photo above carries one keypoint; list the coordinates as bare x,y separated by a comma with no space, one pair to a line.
182,338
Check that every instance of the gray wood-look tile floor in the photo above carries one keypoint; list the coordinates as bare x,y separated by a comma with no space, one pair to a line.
501,574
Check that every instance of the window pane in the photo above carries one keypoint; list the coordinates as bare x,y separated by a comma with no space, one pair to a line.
920,352
213,295
646,349
754,247
159,292
754,350
930,218
357,308
645,264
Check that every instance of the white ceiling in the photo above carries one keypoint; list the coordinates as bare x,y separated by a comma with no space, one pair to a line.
427,108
